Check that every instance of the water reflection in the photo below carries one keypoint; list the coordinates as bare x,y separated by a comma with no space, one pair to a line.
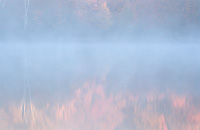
99,87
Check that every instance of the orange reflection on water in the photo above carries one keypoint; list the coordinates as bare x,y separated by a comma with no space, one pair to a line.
91,107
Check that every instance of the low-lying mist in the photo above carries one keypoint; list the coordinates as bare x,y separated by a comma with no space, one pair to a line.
99,64
115,86
99,20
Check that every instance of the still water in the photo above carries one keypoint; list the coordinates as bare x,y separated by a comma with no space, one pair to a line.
100,87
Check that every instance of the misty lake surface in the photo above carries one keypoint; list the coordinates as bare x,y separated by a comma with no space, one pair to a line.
93,86
99,65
